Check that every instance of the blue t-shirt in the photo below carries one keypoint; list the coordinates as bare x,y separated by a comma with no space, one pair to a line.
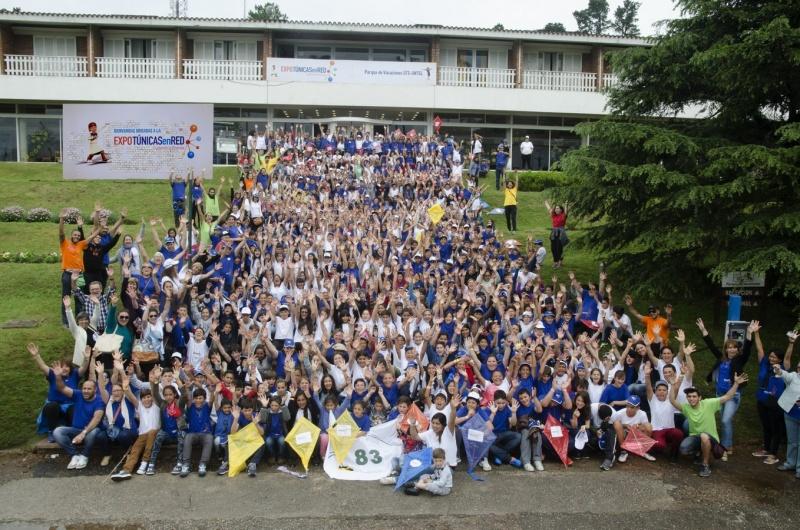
274,426
83,410
362,422
501,419
199,418
53,395
223,426
724,377
612,393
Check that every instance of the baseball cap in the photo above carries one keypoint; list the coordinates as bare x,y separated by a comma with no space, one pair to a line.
580,440
527,314
412,364
288,343
170,263
540,325
579,366
168,240
538,242
177,355
474,395
245,311
661,382
634,401
548,314
339,347
283,306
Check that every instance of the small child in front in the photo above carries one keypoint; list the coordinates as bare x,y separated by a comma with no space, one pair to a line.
440,482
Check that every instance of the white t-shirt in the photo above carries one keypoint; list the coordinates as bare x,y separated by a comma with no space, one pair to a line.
149,418
284,328
622,417
662,414
526,148
448,443
595,391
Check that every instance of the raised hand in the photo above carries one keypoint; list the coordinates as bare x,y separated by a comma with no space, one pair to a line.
701,326
680,335
689,349
33,349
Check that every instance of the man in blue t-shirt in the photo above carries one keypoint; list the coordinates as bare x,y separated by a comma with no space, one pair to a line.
502,417
87,413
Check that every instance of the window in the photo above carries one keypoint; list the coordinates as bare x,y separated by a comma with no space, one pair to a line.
352,54
417,56
314,52
40,139
225,50
285,51
8,139
54,46
473,58
388,54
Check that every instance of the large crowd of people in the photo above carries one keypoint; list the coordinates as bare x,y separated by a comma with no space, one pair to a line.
319,282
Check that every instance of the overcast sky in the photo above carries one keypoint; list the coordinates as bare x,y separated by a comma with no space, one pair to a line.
513,14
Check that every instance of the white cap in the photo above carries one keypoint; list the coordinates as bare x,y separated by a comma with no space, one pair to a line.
245,311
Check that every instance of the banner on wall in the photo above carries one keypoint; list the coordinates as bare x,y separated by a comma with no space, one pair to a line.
136,141
370,457
348,72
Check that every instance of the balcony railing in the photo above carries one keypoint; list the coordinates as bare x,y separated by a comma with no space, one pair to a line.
46,65
610,80
560,81
135,68
476,77
233,70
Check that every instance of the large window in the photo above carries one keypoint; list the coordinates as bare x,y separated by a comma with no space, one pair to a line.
40,139
314,52
560,143
8,139
139,48
472,58
225,50
352,54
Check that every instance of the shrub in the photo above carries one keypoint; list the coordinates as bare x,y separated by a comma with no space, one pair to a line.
29,257
70,215
12,213
541,180
38,215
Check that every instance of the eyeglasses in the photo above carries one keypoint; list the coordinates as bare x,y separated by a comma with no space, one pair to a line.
124,317
154,315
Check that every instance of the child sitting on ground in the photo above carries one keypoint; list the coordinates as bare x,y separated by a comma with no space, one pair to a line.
440,482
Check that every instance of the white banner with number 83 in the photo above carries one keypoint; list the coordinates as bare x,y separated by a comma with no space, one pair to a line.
371,456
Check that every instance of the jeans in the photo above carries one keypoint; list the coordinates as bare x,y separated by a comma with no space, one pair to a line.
793,437
164,436
206,439
64,435
773,425
530,446
221,449
504,444
511,217
275,446
526,161
54,417
729,409
124,438
499,172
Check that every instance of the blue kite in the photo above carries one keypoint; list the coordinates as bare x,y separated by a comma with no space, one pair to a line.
478,438
415,464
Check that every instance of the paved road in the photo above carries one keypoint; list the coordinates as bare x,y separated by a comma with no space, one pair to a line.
36,492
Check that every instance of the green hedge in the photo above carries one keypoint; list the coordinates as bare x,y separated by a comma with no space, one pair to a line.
540,180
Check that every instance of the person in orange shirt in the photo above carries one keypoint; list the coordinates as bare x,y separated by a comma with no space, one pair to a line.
71,256
653,321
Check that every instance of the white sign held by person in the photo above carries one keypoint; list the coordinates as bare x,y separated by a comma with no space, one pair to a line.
331,71
137,141
371,456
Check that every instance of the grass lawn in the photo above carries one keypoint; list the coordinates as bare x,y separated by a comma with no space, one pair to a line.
32,291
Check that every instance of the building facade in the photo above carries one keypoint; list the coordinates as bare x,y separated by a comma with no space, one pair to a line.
503,85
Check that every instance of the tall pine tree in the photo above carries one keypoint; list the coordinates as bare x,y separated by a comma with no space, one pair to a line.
675,202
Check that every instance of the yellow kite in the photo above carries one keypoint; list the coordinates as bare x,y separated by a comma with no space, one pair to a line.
303,439
342,435
241,446
436,212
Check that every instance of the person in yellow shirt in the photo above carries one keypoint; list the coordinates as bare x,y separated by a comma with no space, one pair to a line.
510,202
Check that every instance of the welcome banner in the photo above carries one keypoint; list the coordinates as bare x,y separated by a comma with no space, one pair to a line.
136,141
350,72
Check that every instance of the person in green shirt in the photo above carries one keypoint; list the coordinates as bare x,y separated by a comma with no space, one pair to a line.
701,414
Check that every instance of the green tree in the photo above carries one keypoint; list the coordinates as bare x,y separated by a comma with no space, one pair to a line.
268,12
593,19
678,202
626,18
498,27
555,27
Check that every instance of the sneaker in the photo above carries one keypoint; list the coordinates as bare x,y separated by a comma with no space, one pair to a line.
782,467
649,457
498,462
485,465
82,462
74,462
760,453
223,469
151,470
623,457
142,469
251,469
119,476
176,470
771,460
105,461
516,463
538,465
607,464
529,467
184,470
724,456
201,470
388,481
50,438
705,471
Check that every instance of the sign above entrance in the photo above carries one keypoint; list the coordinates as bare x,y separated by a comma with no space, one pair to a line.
351,72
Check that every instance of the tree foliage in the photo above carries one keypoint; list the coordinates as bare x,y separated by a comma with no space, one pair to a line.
676,203
593,19
626,18
498,27
555,27
268,12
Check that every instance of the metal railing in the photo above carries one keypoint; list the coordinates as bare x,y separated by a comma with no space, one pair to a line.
46,65
476,77
233,70
135,68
